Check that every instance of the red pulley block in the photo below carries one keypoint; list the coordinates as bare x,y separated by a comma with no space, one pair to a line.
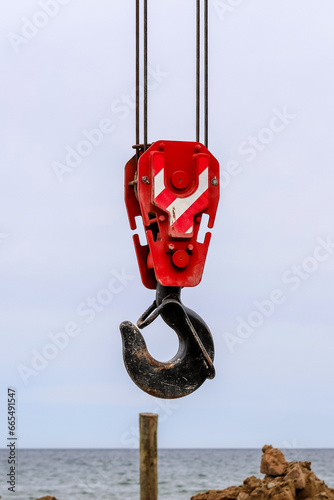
171,186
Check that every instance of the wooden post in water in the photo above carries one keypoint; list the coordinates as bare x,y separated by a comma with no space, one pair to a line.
148,423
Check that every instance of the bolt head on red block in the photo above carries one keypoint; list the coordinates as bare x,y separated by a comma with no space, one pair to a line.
180,258
180,179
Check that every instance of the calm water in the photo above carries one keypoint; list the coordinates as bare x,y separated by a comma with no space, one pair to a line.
113,474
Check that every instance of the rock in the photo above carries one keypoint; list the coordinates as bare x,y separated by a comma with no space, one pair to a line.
230,493
283,481
260,493
243,496
273,462
297,475
47,498
314,487
283,491
251,483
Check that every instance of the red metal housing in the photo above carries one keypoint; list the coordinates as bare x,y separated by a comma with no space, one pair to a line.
172,186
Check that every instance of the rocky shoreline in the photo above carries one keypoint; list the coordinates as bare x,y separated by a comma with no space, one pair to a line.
283,481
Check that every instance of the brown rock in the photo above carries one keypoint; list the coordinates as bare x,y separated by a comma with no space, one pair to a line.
230,493
304,465
260,493
208,495
243,496
273,461
251,483
283,491
47,498
283,481
314,487
297,475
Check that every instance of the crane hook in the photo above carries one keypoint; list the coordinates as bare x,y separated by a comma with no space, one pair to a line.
193,362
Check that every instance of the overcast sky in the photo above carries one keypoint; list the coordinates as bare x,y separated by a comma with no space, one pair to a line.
267,291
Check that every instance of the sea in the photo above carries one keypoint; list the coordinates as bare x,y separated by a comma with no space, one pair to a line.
114,474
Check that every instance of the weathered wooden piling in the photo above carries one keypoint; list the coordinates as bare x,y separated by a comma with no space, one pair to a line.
148,451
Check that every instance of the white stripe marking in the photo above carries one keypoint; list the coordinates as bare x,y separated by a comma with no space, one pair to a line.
159,183
180,205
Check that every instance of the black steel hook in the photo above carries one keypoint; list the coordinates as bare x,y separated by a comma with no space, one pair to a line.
192,364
